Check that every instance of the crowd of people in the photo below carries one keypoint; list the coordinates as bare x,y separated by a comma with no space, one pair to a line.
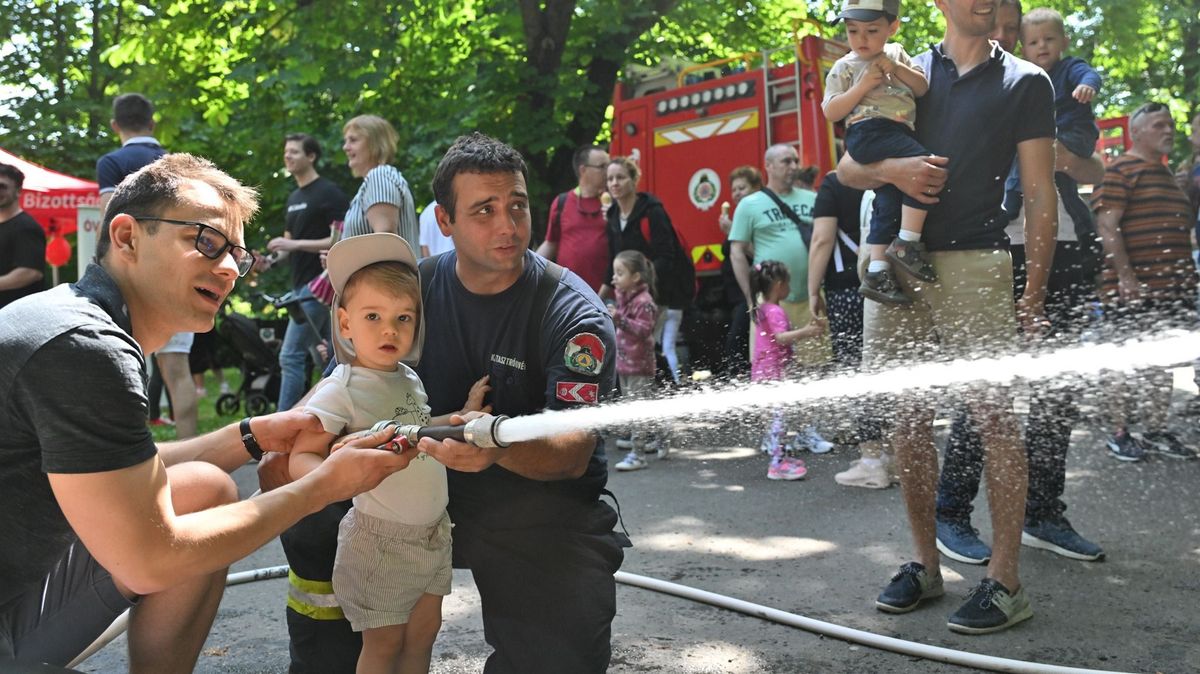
960,176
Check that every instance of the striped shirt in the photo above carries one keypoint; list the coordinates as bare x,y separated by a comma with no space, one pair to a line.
383,184
1154,227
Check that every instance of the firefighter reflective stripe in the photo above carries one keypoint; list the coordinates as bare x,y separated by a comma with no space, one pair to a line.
699,251
706,128
313,598
838,265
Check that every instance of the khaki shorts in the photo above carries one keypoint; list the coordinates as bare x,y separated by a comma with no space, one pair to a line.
806,351
968,313
382,568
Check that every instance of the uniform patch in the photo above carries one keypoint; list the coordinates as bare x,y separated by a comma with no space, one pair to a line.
584,354
577,392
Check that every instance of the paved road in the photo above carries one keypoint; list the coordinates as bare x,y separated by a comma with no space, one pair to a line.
707,517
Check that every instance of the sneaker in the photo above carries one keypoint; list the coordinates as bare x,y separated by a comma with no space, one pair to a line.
811,440
1058,536
1125,447
161,421
959,541
908,588
862,475
662,450
990,607
631,462
1167,444
881,286
624,443
909,257
201,391
787,469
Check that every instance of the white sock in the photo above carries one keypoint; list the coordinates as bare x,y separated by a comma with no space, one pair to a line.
909,235
877,265
871,463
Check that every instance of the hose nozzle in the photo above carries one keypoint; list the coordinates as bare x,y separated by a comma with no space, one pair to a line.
482,432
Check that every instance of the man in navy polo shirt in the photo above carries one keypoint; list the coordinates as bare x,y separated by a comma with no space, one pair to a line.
984,107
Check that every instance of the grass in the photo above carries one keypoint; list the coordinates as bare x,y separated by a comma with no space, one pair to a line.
209,419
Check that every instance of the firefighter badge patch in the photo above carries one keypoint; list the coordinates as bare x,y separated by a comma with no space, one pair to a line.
584,354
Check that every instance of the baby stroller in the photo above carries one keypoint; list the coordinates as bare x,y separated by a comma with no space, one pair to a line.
260,367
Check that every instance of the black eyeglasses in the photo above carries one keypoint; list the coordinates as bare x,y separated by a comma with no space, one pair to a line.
211,243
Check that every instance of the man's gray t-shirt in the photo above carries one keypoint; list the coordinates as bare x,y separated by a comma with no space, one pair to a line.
74,402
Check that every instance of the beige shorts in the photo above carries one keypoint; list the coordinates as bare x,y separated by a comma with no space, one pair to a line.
968,313
382,568
816,351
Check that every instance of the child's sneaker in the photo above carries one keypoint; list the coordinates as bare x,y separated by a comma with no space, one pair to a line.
787,469
813,441
631,462
881,286
910,257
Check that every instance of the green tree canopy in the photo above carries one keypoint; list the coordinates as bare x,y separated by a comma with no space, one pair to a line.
231,78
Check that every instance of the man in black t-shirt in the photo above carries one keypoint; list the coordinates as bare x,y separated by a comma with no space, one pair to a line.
311,210
22,241
97,516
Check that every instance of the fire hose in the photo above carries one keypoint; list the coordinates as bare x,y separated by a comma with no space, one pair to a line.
484,432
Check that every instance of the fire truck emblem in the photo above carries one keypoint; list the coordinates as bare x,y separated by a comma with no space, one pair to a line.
584,354
704,188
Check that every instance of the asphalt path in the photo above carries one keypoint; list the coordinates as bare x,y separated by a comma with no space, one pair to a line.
707,517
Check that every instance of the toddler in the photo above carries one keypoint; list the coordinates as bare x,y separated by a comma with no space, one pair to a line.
773,341
393,557
873,88
634,316
1043,39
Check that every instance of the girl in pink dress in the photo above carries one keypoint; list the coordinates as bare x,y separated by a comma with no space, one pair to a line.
773,339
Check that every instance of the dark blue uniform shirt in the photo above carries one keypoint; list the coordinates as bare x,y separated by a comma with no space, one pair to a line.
469,335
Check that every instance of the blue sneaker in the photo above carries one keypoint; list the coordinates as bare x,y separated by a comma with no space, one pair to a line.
1058,536
1125,447
908,587
959,541
990,607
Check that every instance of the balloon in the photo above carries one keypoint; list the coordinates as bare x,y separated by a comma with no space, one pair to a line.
58,251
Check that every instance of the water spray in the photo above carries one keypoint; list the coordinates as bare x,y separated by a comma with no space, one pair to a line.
482,432
1165,349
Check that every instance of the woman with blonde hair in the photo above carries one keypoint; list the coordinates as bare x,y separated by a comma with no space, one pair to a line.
384,202
638,221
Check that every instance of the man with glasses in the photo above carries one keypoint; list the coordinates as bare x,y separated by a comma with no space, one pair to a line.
22,241
107,520
1149,281
575,234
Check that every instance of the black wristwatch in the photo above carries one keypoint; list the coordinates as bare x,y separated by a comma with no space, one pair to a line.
248,440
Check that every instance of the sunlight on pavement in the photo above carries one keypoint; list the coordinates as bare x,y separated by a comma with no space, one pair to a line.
753,549
717,657
724,454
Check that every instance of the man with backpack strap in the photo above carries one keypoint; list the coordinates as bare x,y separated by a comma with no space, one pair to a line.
575,235
776,223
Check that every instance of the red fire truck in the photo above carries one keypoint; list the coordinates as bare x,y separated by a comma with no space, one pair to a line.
689,128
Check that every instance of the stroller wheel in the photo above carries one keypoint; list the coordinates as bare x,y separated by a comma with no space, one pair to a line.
227,405
256,404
